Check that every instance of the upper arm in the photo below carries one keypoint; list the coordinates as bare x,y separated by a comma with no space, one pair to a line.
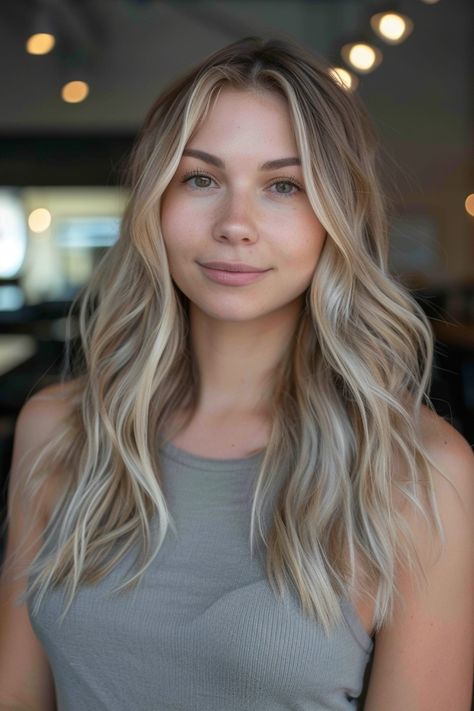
423,660
25,675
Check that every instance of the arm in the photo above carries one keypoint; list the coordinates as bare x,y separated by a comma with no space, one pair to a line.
26,682
424,660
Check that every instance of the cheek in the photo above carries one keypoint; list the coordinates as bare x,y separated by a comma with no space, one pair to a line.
315,237
302,253
318,246
302,240
176,226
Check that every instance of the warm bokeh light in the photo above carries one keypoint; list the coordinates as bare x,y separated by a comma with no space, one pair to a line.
392,27
430,2
39,220
40,43
346,79
469,204
75,91
363,57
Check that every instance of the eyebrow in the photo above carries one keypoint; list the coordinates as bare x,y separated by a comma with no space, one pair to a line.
214,160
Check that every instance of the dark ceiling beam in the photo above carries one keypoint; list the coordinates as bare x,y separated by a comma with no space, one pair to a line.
215,19
64,160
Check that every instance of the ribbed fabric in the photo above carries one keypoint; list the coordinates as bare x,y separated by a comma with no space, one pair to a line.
204,630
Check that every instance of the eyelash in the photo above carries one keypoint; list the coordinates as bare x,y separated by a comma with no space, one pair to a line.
186,178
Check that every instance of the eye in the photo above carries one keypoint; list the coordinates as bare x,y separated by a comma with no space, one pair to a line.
288,184
202,180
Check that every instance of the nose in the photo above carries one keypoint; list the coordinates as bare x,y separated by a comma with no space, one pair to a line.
236,219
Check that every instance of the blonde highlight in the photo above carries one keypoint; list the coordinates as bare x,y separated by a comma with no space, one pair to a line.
346,397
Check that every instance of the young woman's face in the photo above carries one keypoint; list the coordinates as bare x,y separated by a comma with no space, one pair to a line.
223,204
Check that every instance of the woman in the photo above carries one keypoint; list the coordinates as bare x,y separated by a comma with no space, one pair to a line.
244,486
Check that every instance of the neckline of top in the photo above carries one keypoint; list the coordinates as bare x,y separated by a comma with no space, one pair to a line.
194,461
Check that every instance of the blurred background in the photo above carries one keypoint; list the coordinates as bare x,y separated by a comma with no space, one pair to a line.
77,79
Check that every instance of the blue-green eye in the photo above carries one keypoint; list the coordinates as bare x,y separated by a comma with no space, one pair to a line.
198,176
287,183
202,181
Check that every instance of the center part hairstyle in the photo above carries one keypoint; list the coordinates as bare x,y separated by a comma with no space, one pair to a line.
345,449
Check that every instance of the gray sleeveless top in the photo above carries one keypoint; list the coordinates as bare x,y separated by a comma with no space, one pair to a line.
204,630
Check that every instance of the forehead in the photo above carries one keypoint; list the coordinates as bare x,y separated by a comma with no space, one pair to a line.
261,117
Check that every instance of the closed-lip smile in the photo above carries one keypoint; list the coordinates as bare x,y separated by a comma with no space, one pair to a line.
232,267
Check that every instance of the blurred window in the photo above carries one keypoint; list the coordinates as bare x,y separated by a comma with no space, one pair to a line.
13,233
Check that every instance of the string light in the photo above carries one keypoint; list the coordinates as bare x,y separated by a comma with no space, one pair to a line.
361,56
345,78
392,27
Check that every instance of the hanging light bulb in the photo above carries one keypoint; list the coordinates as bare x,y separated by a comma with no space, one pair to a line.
345,78
362,56
73,92
75,76
40,43
391,27
42,38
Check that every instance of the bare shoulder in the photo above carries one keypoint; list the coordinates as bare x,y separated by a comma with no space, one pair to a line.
424,656
452,473
451,453
26,680
60,393
42,417
44,410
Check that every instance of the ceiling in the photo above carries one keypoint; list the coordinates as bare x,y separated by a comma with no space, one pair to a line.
419,97
129,49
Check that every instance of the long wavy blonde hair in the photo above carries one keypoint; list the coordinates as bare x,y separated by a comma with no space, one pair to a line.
346,398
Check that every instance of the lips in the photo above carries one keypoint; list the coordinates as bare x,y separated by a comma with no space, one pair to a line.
232,267
233,279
